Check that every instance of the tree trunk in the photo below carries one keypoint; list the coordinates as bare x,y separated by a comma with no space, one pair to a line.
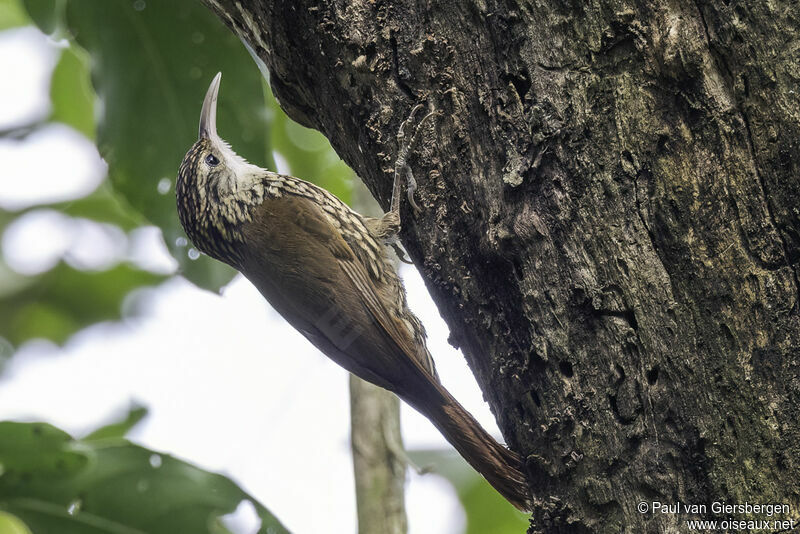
610,225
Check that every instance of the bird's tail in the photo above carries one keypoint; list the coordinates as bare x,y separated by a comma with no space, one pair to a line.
501,467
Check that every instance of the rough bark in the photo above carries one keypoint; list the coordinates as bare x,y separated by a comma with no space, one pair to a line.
610,224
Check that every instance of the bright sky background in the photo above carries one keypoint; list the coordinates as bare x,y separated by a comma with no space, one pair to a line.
229,385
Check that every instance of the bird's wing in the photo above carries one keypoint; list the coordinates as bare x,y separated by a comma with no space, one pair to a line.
388,325
351,226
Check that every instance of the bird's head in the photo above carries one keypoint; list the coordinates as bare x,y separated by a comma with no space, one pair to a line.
211,165
211,181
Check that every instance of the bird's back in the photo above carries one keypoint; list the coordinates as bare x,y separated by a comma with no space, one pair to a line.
329,275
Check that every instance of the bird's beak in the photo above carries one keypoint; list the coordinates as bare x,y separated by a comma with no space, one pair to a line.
208,116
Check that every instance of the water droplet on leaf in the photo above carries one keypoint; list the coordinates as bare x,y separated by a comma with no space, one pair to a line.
163,185
74,507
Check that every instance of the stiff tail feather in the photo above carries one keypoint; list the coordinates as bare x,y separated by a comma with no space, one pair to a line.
500,466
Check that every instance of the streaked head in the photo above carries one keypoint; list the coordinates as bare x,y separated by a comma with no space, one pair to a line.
211,174
211,163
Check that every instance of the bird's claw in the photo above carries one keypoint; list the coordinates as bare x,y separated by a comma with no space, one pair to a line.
401,255
401,165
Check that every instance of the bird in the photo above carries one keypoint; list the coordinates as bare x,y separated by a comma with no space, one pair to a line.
325,268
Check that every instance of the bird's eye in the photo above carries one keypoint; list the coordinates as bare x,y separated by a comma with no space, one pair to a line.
212,160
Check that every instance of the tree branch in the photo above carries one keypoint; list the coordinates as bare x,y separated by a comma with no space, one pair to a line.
378,467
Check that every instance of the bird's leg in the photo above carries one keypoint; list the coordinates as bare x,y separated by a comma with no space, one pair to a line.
401,166
388,227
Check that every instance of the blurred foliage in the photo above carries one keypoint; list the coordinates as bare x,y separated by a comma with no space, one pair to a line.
119,429
132,77
71,92
10,524
63,300
46,14
103,484
12,15
102,205
486,510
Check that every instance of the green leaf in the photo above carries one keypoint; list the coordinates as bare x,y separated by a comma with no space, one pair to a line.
12,15
63,300
151,65
71,92
10,524
46,14
25,448
10,280
118,429
486,510
56,484
102,205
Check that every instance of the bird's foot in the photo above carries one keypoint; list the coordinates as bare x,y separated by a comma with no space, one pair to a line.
401,167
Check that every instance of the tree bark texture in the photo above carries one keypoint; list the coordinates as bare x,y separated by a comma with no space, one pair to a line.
379,462
610,225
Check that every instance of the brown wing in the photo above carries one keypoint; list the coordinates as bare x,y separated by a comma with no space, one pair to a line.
312,276
351,226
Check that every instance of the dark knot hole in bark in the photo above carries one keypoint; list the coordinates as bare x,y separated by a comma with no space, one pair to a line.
652,375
